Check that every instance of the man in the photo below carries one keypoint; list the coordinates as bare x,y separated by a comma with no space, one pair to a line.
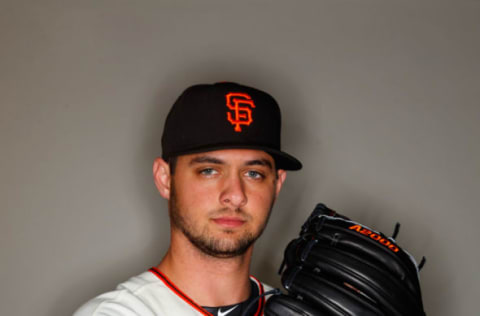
221,171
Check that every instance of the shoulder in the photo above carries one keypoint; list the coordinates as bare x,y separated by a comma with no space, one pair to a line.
143,295
126,299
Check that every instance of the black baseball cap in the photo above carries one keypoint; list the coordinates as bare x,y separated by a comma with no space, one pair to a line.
225,115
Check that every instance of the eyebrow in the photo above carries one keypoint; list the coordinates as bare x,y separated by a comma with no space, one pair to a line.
206,159
213,160
260,162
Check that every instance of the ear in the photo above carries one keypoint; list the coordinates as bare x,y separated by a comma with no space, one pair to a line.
161,177
281,176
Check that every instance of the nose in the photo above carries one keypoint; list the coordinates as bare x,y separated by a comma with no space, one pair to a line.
233,193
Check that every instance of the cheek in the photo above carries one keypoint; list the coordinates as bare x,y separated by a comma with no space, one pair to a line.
191,195
261,199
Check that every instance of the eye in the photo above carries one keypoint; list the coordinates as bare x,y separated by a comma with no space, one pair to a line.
208,172
254,174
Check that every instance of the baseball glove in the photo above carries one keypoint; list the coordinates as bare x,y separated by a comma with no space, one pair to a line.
339,267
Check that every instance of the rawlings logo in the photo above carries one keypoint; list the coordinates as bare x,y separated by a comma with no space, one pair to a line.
242,115
384,241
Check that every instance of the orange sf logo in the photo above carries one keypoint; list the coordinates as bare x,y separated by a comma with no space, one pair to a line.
242,115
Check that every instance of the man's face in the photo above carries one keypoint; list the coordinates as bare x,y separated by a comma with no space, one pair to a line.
221,200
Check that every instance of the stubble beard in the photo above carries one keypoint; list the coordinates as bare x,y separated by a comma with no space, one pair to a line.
204,241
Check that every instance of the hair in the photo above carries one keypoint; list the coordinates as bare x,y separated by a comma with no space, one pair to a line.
172,163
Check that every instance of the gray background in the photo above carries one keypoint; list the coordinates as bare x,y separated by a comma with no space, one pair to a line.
380,101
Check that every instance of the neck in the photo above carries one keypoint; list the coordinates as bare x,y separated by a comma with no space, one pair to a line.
208,280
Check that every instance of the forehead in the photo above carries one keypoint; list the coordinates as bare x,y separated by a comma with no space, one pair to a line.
229,156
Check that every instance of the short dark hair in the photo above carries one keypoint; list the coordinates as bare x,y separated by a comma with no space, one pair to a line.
172,163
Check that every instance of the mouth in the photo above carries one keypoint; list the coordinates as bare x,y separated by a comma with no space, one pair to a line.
229,222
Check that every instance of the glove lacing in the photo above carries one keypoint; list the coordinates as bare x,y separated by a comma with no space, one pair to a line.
272,292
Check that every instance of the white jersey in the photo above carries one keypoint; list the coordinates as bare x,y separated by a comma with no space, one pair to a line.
151,294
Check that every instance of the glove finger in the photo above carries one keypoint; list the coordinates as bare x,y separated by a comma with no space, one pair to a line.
355,238
331,298
377,283
284,305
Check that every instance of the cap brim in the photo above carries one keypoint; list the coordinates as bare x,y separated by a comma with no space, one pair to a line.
284,160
